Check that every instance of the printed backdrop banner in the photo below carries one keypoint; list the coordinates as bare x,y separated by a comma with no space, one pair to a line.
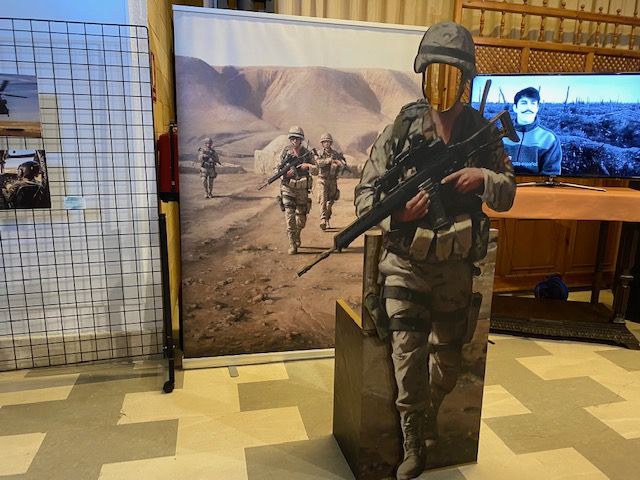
243,80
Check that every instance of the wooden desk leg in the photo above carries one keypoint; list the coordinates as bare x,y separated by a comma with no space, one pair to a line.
597,274
629,243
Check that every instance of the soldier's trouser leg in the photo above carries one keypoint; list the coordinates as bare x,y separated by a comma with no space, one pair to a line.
441,287
205,182
210,185
328,196
301,218
326,210
445,344
446,351
290,219
410,351
302,208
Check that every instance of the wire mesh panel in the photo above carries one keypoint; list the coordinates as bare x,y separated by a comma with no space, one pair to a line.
81,281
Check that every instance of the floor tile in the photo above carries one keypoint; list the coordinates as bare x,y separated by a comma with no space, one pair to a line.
315,459
261,373
22,397
223,465
37,383
497,461
18,452
626,385
186,402
569,359
498,402
237,430
621,417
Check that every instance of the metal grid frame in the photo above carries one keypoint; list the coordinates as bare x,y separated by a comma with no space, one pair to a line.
82,285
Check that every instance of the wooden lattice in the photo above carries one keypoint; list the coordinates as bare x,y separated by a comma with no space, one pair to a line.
497,59
612,63
550,38
466,93
556,61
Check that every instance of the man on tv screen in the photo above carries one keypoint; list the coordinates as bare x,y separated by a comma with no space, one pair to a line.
538,151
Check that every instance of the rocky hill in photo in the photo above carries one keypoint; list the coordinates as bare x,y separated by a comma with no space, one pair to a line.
244,108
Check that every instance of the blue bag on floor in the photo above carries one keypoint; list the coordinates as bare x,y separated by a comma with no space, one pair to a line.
552,287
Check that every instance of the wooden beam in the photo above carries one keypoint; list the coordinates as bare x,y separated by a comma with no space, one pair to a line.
548,12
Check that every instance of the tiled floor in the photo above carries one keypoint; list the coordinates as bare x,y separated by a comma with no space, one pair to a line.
552,410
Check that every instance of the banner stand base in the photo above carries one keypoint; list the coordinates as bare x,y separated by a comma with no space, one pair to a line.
256,358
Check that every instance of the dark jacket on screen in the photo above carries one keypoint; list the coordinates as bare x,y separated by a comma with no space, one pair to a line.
538,151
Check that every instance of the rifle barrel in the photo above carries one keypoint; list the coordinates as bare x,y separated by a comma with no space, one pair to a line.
316,260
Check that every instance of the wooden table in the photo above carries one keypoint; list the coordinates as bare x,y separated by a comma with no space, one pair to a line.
566,203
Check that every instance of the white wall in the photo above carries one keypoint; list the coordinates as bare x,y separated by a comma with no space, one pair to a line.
101,11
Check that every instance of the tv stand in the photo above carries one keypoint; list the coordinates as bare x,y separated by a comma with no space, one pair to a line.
552,182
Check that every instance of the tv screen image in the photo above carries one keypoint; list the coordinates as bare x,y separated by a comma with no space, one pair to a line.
574,125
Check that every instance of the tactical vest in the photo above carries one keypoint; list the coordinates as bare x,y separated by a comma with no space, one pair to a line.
209,157
330,171
416,240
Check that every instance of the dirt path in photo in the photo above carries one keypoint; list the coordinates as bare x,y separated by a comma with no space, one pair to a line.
240,291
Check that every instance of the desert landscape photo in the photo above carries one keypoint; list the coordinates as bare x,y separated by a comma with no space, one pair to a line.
240,291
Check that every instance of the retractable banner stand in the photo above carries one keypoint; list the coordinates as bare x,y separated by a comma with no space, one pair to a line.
243,80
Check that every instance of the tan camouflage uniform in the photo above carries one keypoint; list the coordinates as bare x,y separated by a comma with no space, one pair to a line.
435,267
208,159
327,186
295,194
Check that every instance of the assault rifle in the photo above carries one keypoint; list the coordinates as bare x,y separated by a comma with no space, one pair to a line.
343,168
443,161
292,162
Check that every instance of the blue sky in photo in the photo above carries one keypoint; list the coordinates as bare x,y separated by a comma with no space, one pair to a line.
590,88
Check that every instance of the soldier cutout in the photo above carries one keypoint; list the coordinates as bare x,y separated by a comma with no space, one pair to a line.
426,275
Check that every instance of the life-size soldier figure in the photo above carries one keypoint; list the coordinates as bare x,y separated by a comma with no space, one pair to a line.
26,191
295,187
426,274
208,159
330,164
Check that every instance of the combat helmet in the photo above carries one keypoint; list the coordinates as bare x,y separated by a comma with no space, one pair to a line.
208,141
296,132
449,43
326,137
28,170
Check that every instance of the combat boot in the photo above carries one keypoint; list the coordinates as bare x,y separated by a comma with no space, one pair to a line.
414,456
293,248
296,239
323,225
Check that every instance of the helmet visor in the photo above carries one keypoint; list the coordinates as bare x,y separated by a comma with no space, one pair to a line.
443,85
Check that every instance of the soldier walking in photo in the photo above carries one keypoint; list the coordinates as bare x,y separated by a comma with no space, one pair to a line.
427,272
295,186
208,159
330,164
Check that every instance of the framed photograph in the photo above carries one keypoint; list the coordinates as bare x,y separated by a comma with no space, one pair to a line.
19,106
24,182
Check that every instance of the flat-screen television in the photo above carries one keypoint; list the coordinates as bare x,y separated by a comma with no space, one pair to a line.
574,125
